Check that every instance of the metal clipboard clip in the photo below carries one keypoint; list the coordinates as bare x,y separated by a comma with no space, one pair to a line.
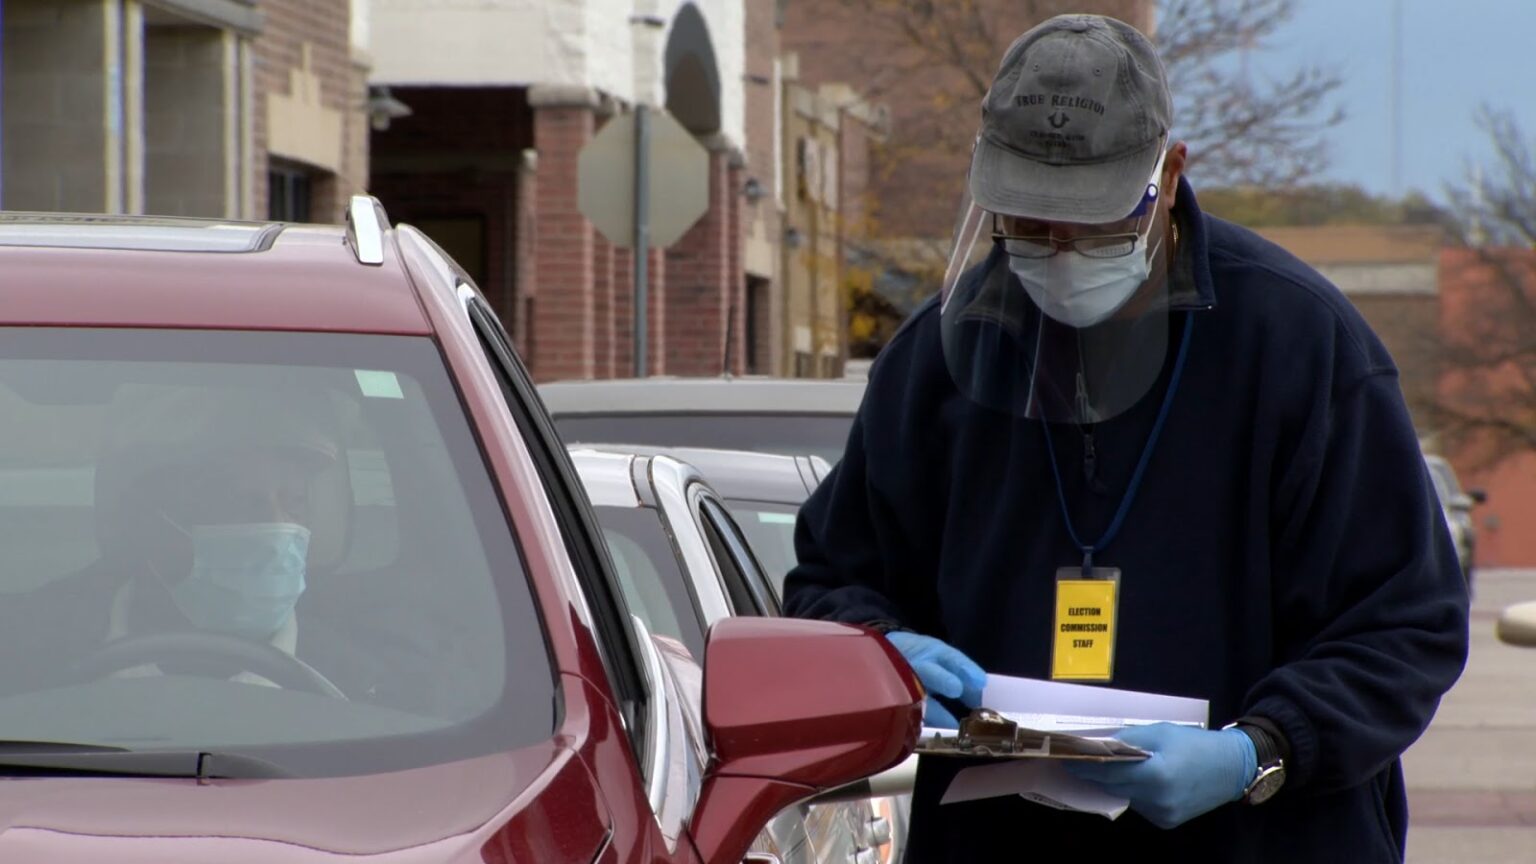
987,734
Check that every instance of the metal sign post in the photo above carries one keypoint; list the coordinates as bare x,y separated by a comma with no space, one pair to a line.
616,171
642,248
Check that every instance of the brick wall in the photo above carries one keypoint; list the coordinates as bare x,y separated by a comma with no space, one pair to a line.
324,25
700,290
934,108
563,344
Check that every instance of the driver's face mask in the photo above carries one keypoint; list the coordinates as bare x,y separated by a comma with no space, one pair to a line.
245,579
1081,291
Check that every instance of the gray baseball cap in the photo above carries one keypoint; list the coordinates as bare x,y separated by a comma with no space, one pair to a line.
1073,124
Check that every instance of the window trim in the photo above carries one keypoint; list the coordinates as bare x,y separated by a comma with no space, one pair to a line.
751,595
617,642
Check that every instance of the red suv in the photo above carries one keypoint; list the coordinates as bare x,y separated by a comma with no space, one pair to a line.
296,570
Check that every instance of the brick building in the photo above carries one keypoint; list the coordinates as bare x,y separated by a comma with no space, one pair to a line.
181,107
1487,305
827,138
502,97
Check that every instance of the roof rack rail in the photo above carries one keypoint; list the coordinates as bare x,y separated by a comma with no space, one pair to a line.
366,224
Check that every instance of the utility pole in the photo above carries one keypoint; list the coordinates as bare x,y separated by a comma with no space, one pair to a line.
1396,105
642,248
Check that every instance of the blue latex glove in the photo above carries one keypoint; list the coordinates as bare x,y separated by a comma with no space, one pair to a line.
1191,771
944,671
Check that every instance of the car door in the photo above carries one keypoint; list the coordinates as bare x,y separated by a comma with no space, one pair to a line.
648,782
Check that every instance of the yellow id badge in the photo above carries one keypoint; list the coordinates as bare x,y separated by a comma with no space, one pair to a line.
1083,632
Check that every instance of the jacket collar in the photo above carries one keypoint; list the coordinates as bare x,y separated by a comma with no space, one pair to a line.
1190,287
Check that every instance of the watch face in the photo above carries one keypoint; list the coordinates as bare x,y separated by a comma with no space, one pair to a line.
1266,785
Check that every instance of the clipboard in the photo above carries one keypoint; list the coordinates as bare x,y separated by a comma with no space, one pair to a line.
986,734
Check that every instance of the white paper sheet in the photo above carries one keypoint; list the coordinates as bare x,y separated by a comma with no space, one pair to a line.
1039,780
1083,708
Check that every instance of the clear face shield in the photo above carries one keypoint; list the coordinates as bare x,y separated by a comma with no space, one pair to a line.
1062,322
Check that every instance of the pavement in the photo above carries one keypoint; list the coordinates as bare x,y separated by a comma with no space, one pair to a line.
1472,776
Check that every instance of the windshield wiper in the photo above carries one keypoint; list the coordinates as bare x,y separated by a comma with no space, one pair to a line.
55,759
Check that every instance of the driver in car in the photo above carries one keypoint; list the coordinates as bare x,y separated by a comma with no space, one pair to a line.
204,520
227,525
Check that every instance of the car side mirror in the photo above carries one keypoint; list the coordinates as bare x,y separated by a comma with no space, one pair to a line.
1517,625
793,708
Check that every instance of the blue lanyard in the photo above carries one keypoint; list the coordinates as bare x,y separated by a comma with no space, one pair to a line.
1141,466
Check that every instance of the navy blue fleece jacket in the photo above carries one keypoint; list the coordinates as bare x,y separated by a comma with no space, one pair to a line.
1286,557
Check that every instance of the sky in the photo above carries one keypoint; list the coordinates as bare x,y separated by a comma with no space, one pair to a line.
1456,55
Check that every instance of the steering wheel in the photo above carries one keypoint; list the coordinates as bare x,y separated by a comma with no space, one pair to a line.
232,654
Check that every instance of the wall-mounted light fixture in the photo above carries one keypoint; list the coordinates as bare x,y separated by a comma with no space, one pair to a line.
793,238
384,108
752,190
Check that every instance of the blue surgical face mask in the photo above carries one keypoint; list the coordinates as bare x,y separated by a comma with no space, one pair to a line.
245,579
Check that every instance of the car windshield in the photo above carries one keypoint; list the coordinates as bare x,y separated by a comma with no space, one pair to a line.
770,528
649,574
823,435
279,544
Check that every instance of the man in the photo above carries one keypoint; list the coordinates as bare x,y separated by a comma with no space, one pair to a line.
204,522
1134,445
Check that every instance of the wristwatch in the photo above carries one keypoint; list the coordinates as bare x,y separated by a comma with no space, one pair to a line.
1271,773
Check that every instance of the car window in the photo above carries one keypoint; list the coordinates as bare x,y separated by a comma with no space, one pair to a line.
743,576
319,496
650,576
787,434
770,530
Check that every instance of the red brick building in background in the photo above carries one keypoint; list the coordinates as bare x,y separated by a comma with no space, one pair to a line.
1488,312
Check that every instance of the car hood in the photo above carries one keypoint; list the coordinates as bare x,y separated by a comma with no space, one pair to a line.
440,814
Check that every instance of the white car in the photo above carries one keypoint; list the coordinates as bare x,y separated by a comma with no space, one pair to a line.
1457,506
683,564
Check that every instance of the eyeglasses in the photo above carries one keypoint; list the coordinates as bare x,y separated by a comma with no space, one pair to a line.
1109,245
1091,246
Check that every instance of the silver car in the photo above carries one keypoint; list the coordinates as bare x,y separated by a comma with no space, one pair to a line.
763,493
1457,506
768,415
683,563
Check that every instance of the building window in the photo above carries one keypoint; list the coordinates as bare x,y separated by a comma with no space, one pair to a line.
756,336
289,193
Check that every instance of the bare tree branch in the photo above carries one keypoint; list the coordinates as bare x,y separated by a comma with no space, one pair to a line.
1486,401
1240,132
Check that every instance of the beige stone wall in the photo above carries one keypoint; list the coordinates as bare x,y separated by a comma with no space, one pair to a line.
189,77
761,220
55,98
